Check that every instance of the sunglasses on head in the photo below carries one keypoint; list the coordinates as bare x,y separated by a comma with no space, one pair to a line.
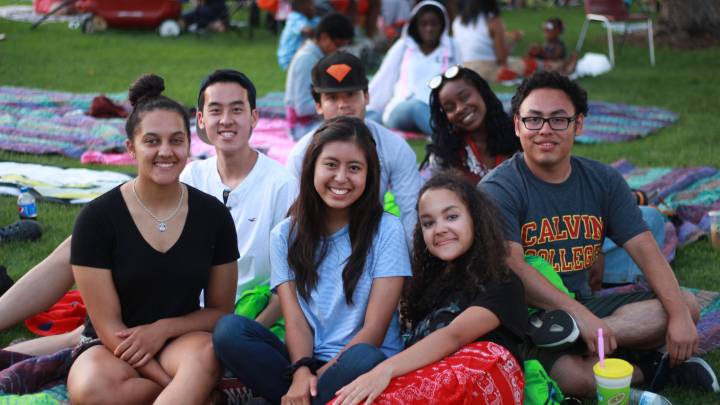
449,74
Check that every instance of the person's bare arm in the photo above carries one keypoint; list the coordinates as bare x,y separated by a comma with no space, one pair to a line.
542,294
681,337
465,328
496,26
271,313
299,341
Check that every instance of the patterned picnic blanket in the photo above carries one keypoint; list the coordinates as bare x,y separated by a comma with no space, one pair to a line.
54,122
686,194
53,183
606,122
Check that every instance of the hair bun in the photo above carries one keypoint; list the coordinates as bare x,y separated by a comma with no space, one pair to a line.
146,87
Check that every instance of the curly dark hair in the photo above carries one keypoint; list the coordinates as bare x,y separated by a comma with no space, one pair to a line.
445,144
551,80
307,230
433,279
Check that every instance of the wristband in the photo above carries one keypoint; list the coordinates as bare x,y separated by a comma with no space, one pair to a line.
309,362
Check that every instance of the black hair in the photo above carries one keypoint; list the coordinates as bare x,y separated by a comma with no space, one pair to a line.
551,80
427,8
434,280
472,8
227,76
336,26
306,249
145,95
557,23
296,4
446,143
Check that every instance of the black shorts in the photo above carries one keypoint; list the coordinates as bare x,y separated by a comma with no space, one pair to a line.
602,307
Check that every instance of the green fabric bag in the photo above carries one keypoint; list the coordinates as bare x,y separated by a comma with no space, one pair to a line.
547,270
540,389
390,206
253,301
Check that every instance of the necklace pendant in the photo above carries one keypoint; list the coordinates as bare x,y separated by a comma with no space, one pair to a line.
161,226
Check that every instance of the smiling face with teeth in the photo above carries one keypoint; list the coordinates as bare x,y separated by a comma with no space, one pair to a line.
227,117
340,177
446,223
547,151
161,146
463,105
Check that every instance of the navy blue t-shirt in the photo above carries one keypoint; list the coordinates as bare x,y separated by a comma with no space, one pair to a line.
565,223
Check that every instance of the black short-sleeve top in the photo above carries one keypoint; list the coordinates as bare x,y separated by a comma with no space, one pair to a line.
505,299
152,285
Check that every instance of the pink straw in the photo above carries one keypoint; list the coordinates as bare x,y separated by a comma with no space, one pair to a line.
601,348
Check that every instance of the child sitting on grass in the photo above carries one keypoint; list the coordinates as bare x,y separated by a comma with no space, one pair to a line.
300,25
552,55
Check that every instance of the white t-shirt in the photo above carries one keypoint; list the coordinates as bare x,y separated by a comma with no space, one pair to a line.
474,40
258,204
398,170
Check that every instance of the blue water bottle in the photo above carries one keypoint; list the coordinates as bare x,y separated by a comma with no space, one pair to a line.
27,209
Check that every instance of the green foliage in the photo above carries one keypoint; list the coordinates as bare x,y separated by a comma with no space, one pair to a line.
54,57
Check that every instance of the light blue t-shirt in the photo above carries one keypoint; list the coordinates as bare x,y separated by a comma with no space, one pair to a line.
333,322
291,37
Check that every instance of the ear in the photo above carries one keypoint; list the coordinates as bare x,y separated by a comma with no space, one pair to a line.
517,123
254,117
367,97
130,147
199,117
579,122
318,107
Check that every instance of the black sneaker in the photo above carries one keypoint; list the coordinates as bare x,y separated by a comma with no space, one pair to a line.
24,229
694,373
553,329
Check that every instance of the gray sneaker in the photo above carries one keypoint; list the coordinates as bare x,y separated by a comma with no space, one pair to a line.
694,373
24,229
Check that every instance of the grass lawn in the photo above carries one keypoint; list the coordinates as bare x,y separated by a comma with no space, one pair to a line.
54,57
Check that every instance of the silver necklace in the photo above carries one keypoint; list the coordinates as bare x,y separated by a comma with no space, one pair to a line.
161,223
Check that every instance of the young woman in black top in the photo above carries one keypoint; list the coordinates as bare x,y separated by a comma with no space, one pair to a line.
141,253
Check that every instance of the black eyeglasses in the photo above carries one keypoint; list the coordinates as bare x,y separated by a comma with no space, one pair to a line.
556,123
450,73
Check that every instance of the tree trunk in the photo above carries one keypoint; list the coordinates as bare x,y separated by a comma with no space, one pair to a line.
683,20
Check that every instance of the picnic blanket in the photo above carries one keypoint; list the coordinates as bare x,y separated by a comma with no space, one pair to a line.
53,122
606,122
75,186
43,122
685,194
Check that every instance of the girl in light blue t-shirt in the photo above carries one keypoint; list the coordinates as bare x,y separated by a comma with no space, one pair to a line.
338,264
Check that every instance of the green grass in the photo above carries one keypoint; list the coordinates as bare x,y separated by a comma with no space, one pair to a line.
54,57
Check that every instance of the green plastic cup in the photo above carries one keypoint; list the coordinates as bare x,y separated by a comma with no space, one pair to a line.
613,382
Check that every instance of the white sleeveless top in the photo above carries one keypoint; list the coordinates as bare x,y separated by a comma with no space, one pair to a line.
474,40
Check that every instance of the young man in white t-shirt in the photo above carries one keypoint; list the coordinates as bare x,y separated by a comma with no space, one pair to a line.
340,87
257,191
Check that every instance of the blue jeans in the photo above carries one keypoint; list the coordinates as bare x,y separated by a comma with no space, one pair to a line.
260,360
411,115
619,266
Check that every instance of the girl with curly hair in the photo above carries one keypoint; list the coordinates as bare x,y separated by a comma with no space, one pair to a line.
461,292
338,266
470,130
